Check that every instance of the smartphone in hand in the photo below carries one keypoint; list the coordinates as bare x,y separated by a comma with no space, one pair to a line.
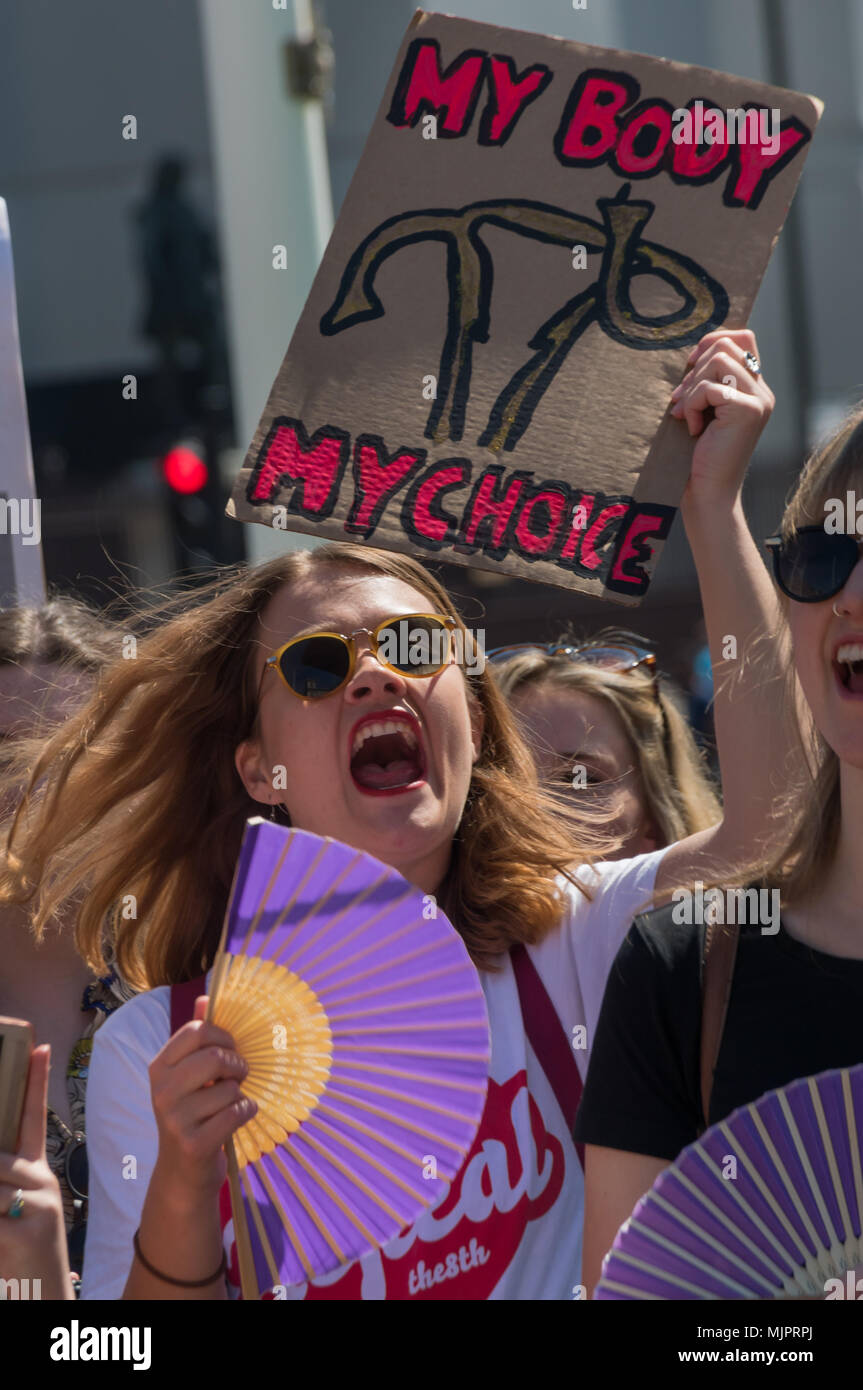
16,1045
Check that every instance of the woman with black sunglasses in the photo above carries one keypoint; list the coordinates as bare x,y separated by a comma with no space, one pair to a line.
790,983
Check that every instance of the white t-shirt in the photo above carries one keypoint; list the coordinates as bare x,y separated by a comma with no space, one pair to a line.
510,1225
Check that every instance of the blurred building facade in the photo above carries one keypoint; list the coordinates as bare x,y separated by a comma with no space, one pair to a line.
208,82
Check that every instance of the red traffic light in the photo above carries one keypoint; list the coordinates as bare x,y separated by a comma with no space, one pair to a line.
184,470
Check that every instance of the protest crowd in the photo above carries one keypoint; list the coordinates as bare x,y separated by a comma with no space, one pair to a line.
641,926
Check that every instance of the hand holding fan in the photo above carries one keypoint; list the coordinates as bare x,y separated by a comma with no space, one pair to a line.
779,1221
364,1025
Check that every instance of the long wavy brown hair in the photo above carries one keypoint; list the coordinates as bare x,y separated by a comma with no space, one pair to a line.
134,811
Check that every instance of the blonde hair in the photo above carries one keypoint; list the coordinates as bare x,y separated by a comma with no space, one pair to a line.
677,786
135,800
812,804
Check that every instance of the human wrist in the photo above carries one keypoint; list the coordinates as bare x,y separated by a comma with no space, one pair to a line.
711,514
178,1195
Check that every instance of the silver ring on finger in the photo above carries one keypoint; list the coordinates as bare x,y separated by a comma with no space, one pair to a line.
17,1205
751,361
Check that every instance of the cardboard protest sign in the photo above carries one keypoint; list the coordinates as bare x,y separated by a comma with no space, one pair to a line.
535,236
22,579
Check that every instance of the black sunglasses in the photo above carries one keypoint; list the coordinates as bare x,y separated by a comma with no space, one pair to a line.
813,565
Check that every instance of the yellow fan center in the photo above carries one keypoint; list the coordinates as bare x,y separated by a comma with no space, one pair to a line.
279,1026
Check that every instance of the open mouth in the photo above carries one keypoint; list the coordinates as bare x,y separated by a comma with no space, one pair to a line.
387,753
849,667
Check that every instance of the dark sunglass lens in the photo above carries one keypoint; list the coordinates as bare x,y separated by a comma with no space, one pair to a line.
315,667
814,565
417,646
78,1169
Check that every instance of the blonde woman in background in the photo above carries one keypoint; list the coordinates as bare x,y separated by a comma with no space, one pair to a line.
602,727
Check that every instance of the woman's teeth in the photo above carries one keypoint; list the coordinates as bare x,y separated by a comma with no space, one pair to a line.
849,659
381,727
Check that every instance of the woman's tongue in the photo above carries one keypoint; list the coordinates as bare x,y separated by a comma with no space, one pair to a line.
384,762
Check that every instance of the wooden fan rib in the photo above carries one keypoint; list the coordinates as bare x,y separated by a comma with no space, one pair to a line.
422,1052
315,1119
803,1156
740,1236
855,1140
318,904
614,1287
334,1197
790,1190
409,1004
293,1236
258,957
403,1028
412,1128
355,1181
655,1272
802,1253
340,965
468,1086
689,1258
326,927
259,1226
366,1157
456,968
721,1250
830,1154
271,883
398,1096
313,1216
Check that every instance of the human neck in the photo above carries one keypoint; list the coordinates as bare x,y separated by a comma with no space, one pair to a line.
29,968
829,916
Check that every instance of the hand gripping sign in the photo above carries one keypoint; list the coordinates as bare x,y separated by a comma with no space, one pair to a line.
536,233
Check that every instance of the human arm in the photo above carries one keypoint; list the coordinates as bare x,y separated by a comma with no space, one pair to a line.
739,603
641,1101
33,1244
129,1168
195,1086
614,1182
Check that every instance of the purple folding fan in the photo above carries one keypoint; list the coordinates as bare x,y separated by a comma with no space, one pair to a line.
766,1204
361,1016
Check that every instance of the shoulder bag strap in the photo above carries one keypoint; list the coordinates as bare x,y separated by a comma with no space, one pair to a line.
717,972
183,998
548,1038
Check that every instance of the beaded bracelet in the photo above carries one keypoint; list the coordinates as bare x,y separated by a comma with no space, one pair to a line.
167,1278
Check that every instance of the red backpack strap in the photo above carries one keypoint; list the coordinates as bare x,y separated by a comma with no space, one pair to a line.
547,1037
183,1001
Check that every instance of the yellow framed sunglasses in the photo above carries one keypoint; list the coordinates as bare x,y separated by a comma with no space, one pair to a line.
416,645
